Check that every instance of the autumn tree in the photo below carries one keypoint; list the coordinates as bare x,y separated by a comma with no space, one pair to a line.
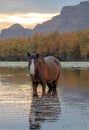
72,46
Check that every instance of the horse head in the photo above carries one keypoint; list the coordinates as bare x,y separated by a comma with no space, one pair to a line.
33,63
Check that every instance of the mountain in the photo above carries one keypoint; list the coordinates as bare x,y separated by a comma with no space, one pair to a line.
15,30
71,18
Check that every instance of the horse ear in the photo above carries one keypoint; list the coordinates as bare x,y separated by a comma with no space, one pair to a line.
28,54
37,55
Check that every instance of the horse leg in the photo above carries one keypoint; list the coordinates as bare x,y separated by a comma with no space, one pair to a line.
55,83
54,86
35,89
50,88
43,88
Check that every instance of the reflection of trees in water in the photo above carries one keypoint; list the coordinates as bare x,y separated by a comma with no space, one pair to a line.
14,75
44,109
73,78
68,77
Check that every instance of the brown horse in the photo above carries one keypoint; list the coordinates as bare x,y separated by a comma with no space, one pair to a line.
44,71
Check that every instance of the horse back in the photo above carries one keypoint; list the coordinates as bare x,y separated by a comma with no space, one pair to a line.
50,60
53,67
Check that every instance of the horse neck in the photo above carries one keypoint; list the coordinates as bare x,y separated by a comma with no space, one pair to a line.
37,69
41,66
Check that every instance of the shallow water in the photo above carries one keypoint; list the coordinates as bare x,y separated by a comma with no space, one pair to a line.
68,110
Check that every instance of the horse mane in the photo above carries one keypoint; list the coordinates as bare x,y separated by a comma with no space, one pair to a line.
41,58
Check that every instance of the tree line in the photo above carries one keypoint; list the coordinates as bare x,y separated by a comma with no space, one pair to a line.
72,46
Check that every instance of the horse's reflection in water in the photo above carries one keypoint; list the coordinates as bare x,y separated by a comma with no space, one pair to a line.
44,109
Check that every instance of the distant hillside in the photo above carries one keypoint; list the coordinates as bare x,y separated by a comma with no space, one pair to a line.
15,30
71,18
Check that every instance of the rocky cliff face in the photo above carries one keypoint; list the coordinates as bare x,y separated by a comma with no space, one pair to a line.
71,18
74,17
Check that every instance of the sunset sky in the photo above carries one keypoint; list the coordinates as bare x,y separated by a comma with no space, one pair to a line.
29,13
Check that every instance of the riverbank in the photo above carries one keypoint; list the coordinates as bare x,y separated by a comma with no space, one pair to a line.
70,65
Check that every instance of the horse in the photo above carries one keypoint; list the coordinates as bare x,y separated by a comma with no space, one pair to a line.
44,71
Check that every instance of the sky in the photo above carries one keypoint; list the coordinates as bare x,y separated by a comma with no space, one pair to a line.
29,13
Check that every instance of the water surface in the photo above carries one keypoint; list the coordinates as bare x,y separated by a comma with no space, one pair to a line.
68,110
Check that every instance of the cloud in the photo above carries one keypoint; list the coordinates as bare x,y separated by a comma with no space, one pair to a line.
30,12
45,6
18,6
26,12
26,19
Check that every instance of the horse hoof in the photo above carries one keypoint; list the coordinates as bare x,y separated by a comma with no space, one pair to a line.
43,93
54,93
49,93
34,94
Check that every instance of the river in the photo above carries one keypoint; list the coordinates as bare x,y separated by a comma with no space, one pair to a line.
68,110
